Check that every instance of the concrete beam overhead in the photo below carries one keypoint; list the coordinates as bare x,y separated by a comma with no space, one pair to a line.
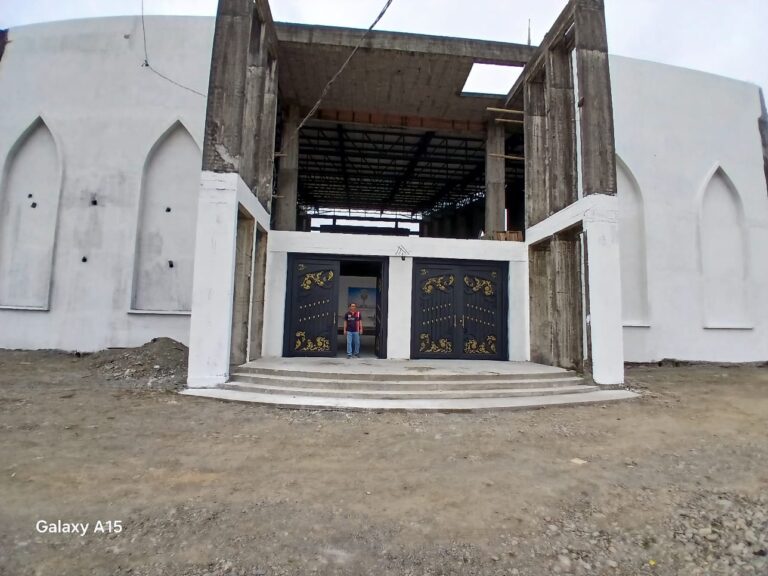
481,51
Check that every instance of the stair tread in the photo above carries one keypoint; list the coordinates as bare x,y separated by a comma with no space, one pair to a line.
395,380
429,404
422,392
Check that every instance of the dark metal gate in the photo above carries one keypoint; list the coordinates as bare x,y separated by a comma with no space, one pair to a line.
459,310
311,306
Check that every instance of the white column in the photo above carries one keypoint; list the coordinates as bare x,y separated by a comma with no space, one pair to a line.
518,314
604,288
399,308
210,334
275,290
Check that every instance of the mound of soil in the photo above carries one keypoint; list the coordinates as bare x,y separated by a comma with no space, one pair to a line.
160,364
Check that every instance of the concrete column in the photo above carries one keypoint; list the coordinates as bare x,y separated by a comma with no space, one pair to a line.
254,99
226,86
561,153
266,152
536,194
494,179
242,297
605,332
288,174
256,330
598,146
210,332
566,307
540,309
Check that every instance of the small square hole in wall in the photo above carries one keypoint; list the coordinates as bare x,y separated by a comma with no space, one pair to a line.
491,79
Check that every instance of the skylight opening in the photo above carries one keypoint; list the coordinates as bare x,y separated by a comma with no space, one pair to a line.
491,79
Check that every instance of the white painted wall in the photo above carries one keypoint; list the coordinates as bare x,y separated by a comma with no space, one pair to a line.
30,187
675,130
105,112
165,243
281,244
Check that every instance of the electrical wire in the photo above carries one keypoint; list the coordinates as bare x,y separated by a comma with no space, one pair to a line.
333,79
146,63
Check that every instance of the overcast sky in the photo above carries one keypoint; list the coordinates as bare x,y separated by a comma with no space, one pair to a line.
725,37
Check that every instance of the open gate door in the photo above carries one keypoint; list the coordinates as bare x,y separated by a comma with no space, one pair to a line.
312,307
571,205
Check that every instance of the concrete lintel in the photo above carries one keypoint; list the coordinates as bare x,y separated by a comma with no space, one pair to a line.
592,208
480,51
249,202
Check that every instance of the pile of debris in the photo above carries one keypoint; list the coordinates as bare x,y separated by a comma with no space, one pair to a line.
160,364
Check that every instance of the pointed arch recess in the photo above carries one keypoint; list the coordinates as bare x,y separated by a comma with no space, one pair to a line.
632,243
165,237
723,261
30,190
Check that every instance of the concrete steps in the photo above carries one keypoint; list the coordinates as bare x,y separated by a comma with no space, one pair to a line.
383,392
410,405
370,384
339,381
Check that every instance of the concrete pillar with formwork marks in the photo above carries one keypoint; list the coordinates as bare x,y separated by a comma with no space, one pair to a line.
494,180
288,173
235,191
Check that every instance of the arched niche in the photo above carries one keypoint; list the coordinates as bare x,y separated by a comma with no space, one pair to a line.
165,239
29,207
722,253
634,273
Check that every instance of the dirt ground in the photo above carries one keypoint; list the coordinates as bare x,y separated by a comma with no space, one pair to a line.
673,483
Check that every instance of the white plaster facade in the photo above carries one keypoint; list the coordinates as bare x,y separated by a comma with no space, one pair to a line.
672,143
84,83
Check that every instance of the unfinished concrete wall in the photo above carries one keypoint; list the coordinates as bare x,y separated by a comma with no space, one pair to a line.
555,293
569,153
246,228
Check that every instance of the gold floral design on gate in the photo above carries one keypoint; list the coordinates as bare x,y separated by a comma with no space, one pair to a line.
304,344
477,284
442,346
318,278
441,283
472,346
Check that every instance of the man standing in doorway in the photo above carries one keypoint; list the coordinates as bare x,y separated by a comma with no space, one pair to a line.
353,328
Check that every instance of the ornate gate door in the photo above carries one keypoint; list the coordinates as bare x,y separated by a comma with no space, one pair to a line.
311,308
459,310
483,312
